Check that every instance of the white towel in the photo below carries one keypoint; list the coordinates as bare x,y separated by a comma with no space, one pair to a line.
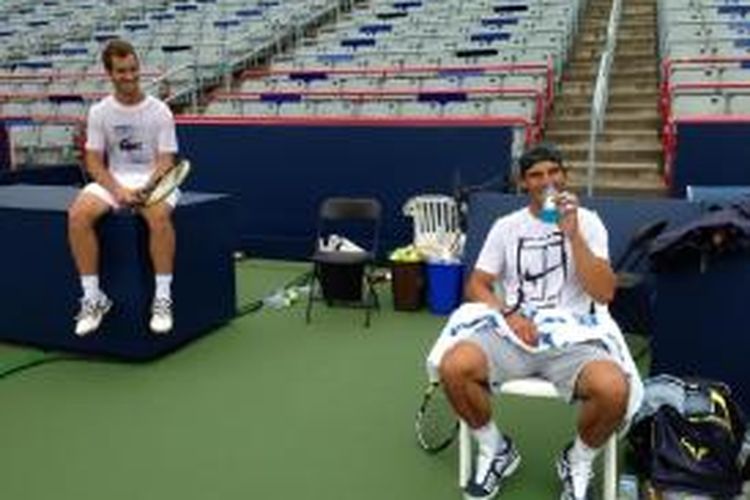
557,328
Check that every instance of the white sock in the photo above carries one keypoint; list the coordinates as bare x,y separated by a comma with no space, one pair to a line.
581,452
90,286
488,438
489,441
163,286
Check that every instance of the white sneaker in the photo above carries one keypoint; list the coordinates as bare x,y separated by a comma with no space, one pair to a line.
575,476
503,464
91,314
161,315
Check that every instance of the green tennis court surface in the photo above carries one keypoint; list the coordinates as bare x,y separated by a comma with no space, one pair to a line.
264,408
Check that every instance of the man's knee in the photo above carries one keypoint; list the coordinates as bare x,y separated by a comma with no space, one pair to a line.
84,212
606,382
463,361
158,218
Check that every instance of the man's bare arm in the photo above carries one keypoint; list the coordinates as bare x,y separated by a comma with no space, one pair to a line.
163,162
98,171
480,288
596,275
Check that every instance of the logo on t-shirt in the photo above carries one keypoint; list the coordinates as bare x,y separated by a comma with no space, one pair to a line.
128,142
127,145
542,268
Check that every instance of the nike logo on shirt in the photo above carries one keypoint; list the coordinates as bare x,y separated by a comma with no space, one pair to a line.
528,276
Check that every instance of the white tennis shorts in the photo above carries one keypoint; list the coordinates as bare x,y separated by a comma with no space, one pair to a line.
132,181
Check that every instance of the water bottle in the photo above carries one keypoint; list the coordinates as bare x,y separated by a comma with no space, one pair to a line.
627,488
277,300
549,212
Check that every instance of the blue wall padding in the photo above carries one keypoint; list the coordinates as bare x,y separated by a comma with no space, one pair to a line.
279,174
701,324
64,175
711,154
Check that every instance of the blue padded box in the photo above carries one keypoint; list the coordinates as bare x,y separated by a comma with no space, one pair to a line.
40,287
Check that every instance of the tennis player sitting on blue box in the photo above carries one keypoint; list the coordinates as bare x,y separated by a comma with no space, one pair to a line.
130,148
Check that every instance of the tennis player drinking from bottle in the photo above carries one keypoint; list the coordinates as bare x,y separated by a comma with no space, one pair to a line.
130,142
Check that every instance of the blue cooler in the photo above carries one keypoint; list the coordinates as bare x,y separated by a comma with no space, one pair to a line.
444,285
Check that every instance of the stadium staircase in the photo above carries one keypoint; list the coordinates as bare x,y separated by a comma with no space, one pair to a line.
629,152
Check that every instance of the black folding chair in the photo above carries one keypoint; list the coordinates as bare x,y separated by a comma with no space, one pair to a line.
345,277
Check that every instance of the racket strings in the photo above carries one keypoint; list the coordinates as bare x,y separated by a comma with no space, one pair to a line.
437,424
168,182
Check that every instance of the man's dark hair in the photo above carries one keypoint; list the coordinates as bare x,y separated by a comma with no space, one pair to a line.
544,151
116,47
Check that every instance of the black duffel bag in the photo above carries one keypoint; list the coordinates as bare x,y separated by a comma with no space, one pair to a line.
697,454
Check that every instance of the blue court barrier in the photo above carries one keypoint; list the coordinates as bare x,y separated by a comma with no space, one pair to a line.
710,154
279,173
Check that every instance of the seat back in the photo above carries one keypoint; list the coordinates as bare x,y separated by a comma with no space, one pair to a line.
355,218
350,208
436,224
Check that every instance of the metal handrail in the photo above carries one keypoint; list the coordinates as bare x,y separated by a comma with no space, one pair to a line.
601,92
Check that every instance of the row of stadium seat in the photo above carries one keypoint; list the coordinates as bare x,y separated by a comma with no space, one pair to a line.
705,51
205,38
399,36
476,107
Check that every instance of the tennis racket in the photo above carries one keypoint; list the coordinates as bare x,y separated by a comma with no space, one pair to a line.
165,184
436,423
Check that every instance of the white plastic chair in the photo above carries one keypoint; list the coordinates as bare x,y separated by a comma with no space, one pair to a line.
436,228
534,387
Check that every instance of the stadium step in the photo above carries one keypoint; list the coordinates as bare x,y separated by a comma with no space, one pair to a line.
618,94
610,137
582,71
638,86
651,186
641,46
628,150
615,152
630,119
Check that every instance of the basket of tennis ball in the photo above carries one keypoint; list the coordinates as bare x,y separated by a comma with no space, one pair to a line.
408,278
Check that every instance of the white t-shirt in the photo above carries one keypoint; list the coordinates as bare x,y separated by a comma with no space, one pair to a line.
533,256
131,136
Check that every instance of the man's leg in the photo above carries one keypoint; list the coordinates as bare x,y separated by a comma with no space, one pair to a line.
162,243
464,374
161,237
83,215
602,388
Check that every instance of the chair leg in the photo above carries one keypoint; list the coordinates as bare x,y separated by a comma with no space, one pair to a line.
311,293
374,293
609,490
464,454
370,299
367,302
